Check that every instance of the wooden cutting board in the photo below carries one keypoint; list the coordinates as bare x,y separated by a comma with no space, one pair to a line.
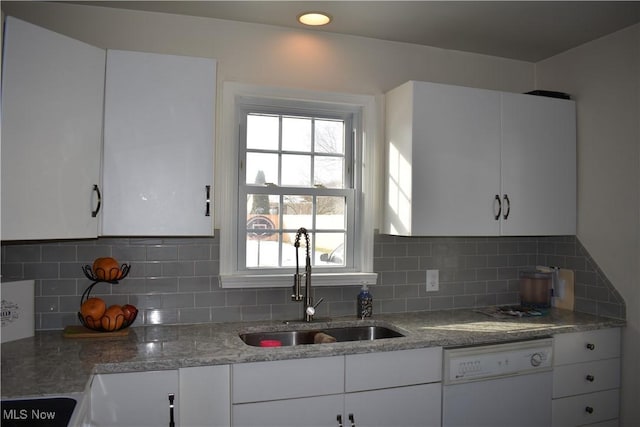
78,331
568,298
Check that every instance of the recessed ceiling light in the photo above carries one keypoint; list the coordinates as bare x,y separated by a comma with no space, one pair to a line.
314,18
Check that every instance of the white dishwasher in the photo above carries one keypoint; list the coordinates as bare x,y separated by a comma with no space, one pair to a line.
498,385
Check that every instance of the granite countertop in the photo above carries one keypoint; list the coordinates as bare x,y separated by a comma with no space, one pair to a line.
50,364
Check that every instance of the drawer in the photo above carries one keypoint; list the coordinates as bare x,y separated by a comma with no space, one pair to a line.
393,369
586,377
586,346
608,423
285,379
585,409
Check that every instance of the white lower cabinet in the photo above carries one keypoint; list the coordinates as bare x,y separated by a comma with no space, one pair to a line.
202,397
205,396
134,399
407,406
317,411
586,378
399,388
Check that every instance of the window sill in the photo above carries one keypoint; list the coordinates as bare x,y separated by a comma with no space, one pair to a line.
286,280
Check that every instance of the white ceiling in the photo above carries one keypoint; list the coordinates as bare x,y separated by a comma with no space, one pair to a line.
524,30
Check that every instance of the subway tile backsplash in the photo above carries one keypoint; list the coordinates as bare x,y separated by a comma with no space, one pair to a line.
175,280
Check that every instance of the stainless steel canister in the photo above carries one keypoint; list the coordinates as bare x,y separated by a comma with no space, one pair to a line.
535,289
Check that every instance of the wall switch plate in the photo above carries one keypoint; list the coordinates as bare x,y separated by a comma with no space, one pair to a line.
433,280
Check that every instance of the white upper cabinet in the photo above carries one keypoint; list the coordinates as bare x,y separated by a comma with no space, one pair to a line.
443,156
158,145
538,165
52,98
474,162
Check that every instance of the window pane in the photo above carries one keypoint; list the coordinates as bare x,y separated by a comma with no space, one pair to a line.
261,168
296,134
262,250
289,251
329,172
263,204
296,170
262,132
297,212
330,249
331,213
262,230
329,136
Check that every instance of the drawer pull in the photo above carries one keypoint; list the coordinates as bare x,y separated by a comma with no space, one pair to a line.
589,410
171,420
591,346
497,215
339,418
352,419
590,378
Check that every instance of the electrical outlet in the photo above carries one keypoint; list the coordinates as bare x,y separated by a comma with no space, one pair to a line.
433,280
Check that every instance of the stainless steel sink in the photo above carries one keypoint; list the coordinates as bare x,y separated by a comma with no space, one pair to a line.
299,337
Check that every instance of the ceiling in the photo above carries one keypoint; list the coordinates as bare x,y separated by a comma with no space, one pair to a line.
523,30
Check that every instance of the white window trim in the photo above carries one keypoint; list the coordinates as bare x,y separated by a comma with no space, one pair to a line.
226,180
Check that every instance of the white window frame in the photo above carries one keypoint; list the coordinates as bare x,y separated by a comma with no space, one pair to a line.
227,151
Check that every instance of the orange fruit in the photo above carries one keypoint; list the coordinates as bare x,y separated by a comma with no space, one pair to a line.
113,318
92,311
106,268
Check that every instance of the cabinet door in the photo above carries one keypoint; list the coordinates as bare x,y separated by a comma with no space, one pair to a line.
52,97
538,165
402,406
447,140
205,396
319,411
158,144
134,399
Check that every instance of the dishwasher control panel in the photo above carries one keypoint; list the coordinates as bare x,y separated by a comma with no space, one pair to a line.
499,360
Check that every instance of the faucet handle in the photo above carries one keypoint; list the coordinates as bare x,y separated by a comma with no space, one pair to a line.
311,310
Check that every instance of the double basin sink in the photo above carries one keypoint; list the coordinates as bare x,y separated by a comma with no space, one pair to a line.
276,338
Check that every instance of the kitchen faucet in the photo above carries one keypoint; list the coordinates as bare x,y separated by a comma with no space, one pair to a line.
309,307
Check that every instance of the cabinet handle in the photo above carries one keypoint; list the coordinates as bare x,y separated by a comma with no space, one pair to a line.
207,211
171,421
353,420
591,346
97,191
589,410
339,418
497,215
507,208
590,378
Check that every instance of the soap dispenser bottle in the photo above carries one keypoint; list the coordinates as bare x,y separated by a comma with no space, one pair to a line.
365,303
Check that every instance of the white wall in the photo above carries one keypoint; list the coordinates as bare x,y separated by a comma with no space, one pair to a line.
604,78
276,56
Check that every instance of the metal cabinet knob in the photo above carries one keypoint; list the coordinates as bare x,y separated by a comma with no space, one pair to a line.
590,378
591,346
589,410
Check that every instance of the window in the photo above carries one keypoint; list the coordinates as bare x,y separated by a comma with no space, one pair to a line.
299,163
